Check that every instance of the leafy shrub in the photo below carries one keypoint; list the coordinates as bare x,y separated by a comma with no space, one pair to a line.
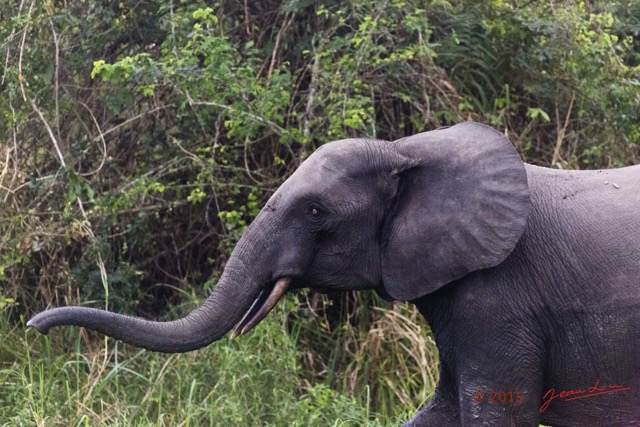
139,140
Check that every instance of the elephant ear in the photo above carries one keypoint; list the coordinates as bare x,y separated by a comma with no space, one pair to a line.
461,205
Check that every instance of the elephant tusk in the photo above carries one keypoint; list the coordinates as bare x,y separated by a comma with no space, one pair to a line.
253,317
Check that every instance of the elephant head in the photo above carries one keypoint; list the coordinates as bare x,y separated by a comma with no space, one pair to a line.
403,218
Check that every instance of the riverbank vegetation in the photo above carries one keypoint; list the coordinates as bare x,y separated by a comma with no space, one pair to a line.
138,139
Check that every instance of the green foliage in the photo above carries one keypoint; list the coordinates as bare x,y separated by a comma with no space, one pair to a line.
250,382
555,60
138,140
5,302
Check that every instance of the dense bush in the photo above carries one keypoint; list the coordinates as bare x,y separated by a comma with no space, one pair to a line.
138,139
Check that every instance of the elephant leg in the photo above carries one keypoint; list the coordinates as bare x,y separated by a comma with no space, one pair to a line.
507,394
438,412
500,408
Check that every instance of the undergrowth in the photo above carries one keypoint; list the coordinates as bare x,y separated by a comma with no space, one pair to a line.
138,140
66,379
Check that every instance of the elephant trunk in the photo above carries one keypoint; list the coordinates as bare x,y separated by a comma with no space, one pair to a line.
231,299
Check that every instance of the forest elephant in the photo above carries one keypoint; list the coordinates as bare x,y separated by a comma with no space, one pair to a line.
529,277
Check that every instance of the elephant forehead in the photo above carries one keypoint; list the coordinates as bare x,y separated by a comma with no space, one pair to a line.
315,177
344,157
333,169
326,166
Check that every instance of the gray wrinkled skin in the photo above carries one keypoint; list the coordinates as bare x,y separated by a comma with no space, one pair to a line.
529,277
561,312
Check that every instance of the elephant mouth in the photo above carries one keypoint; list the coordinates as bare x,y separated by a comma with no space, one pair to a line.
264,303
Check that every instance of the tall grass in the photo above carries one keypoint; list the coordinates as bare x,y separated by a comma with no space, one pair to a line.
74,378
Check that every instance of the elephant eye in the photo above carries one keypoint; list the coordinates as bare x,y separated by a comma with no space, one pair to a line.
314,212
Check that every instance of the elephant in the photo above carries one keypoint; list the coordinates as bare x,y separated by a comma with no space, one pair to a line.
529,277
